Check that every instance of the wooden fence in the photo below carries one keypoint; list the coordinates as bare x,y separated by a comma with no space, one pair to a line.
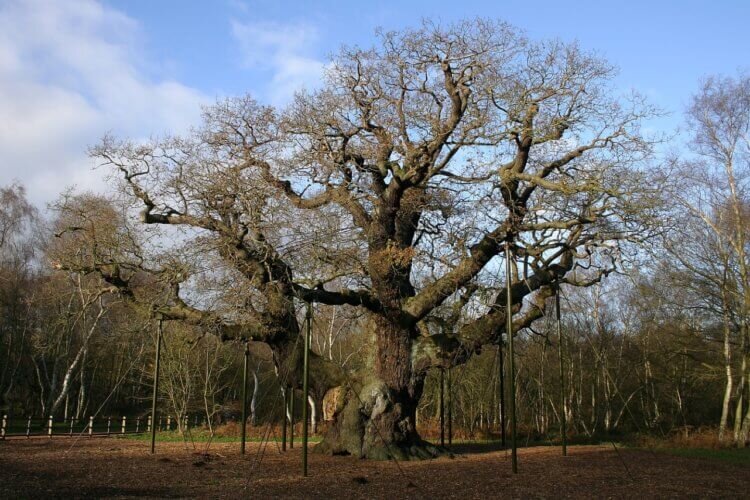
28,426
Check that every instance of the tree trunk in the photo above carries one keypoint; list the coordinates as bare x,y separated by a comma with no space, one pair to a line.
376,417
743,436
740,399
70,370
82,389
254,400
729,381
313,414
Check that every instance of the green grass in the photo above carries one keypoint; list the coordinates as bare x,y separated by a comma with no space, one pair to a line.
737,456
203,436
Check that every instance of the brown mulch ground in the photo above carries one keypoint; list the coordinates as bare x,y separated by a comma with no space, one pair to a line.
109,467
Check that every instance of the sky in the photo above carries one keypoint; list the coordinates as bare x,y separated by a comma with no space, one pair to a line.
73,70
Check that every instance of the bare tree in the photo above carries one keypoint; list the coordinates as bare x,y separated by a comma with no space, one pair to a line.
18,249
714,190
393,189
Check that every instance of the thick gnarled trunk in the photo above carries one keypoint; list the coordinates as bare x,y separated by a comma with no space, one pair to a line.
374,415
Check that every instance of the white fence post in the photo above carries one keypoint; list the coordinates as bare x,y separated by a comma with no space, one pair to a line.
123,423
91,426
49,426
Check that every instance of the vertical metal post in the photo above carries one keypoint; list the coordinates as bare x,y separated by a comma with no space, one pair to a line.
305,388
284,409
5,425
49,426
244,398
28,428
91,426
291,417
156,384
442,406
450,408
509,330
149,423
563,405
124,424
500,354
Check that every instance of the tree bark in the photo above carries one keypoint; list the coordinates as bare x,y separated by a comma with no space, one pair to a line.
254,399
376,417
313,414
729,381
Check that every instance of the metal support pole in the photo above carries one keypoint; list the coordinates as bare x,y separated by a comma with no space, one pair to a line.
450,408
244,398
91,426
502,390
305,388
291,417
284,409
5,425
563,406
442,407
509,330
124,424
49,426
28,428
156,384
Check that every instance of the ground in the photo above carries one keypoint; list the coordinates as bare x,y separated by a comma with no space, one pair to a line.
113,467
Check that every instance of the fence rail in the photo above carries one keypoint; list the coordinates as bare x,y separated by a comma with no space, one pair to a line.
29,426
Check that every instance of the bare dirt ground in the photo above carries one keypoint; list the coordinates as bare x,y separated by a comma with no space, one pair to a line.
110,467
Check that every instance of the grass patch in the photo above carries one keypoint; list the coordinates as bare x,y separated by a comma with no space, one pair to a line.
202,437
737,456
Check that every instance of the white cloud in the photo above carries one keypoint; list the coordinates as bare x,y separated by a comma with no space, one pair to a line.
70,72
284,50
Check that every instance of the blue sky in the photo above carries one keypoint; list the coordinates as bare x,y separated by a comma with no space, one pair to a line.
662,47
71,70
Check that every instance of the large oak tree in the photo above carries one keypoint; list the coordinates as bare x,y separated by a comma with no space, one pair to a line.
392,189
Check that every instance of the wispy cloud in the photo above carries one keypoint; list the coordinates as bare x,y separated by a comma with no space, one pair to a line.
284,50
69,72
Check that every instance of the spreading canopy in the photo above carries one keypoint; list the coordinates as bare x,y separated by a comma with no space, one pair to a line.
394,187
